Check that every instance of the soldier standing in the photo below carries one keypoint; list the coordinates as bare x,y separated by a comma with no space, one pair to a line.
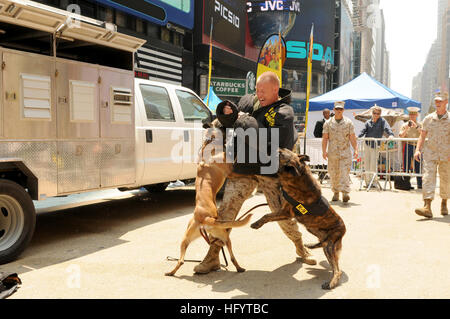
436,154
411,129
338,134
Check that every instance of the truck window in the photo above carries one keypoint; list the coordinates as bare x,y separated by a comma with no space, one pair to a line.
192,107
157,103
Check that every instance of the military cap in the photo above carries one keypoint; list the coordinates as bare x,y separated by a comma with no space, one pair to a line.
441,96
413,110
339,104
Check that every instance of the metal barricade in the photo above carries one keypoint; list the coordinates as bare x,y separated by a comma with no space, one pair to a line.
383,158
314,151
379,159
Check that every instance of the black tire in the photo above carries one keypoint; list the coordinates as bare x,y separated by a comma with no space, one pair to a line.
17,220
156,188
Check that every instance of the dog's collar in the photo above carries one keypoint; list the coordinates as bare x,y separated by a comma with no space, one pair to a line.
319,208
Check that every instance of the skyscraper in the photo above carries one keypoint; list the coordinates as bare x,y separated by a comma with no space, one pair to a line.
435,72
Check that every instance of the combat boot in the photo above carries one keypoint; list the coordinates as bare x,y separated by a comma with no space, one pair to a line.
335,197
304,254
426,210
345,197
444,209
211,261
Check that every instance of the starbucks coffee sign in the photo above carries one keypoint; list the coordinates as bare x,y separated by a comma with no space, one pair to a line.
228,87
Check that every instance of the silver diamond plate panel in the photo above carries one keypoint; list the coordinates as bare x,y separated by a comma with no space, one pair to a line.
118,164
40,157
78,166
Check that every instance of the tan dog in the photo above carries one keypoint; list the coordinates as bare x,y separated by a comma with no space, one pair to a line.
211,175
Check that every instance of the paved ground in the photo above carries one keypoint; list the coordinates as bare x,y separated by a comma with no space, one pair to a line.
117,249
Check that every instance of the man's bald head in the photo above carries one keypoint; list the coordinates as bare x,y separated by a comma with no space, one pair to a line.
269,76
267,87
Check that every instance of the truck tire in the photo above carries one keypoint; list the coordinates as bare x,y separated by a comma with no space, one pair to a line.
17,220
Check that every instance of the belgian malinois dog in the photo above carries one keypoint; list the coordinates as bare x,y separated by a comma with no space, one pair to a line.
304,202
212,172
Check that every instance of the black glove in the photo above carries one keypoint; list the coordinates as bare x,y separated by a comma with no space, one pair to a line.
227,120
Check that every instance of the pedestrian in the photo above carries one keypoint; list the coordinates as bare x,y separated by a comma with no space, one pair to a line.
270,107
411,129
374,128
338,134
434,140
319,124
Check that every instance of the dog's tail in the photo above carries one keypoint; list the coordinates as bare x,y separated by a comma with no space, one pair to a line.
313,246
210,221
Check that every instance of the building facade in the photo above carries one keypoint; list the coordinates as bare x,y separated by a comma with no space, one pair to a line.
370,51
167,26
444,62
435,72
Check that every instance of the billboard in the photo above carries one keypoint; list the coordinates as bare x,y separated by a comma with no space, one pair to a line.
160,12
229,20
272,56
295,19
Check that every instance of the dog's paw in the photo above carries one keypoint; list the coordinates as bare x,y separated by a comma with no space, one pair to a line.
240,269
326,285
330,285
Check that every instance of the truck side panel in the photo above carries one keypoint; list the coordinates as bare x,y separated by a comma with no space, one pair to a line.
77,100
29,96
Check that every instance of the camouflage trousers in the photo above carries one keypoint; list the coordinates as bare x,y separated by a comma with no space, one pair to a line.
430,168
339,170
238,189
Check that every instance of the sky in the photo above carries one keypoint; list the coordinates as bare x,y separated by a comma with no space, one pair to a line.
411,28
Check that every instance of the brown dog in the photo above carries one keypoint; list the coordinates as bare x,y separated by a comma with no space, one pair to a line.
304,202
212,172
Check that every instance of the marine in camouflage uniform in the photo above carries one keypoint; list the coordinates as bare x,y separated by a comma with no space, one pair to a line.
338,134
411,129
435,139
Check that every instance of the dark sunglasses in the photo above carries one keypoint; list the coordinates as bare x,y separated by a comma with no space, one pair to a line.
376,113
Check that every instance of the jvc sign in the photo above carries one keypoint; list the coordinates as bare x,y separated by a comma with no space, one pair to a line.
299,50
273,5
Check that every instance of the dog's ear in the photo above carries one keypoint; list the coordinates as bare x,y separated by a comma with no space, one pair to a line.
303,158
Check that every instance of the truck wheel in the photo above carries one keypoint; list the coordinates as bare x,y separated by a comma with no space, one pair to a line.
156,188
17,220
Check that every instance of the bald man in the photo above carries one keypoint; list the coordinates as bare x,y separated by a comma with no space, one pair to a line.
270,107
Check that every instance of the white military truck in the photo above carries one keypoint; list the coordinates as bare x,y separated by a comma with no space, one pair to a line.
73,118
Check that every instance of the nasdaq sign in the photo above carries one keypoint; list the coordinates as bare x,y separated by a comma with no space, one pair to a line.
299,50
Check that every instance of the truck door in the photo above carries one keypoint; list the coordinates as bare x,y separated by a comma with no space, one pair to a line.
161,131
29,96
194,112
78,126
117,129
29,113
